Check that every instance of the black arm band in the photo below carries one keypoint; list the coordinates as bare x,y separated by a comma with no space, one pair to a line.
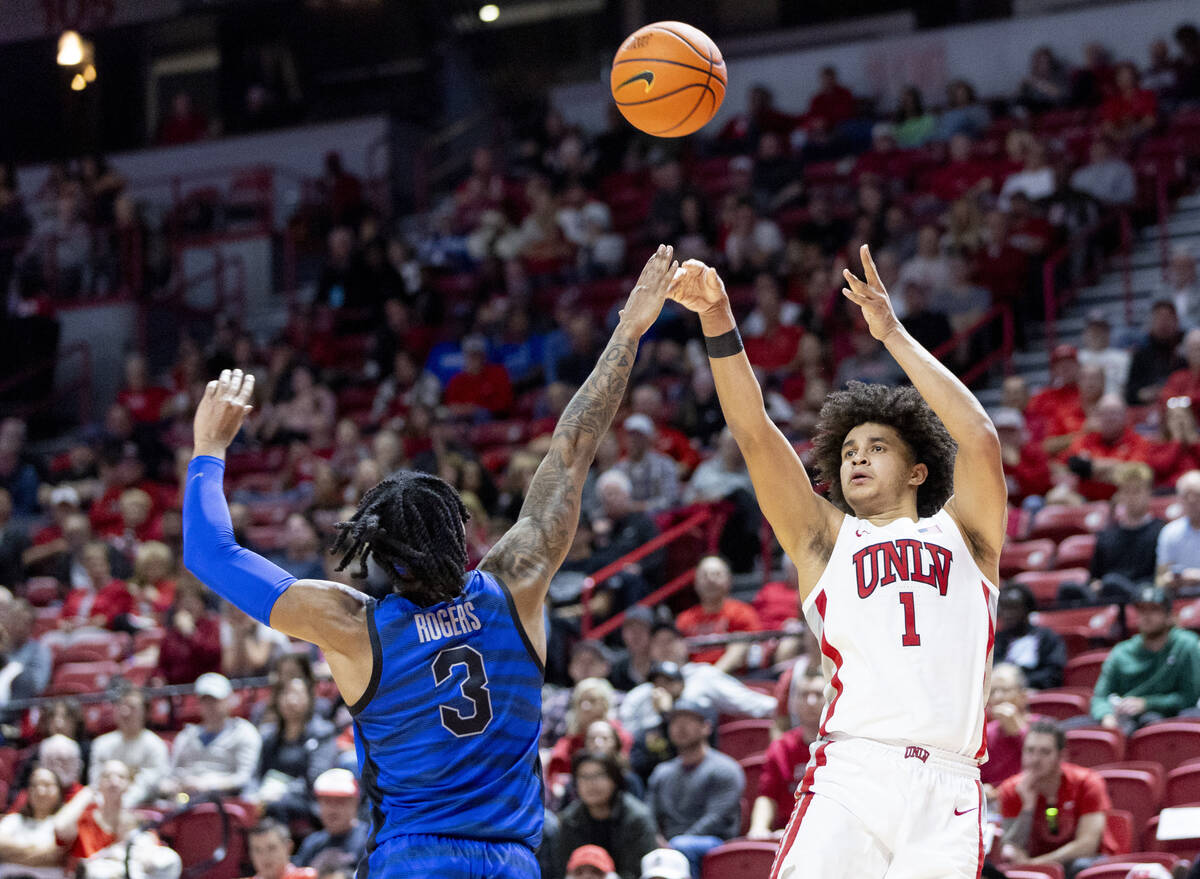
724,345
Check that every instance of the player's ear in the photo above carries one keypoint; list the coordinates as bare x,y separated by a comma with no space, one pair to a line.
918,474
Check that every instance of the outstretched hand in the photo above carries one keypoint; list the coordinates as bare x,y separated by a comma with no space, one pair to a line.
648,295
222,410
871,296
697,287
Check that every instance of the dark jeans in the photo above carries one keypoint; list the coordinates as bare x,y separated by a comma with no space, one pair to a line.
1113,587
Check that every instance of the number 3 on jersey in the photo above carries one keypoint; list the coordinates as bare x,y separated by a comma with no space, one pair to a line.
473,688
911,638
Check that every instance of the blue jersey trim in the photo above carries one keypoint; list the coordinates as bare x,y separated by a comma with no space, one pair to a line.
520,626
376,661
370,781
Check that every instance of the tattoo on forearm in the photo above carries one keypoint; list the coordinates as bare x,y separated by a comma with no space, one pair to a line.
1018,832
550,513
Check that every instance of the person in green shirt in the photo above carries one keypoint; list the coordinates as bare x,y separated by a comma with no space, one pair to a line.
1153,675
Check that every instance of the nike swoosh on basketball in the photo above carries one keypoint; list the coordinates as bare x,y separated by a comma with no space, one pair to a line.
646,76
965,811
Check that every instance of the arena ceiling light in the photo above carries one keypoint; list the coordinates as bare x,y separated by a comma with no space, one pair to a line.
524,13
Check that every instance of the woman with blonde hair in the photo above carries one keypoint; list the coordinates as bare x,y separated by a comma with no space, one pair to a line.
592,699
153,580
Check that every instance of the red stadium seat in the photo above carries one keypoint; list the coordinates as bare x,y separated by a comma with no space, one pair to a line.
752,766
199,835
1167,859
102,647
1135,791
8,762
1094,746
82,677
1153,767
1034,871
1184,848
1116,870
1058,704
42,591
1060,522
1045,584
1076,551
740,859
1187,613
1098,620
1183,785
1119,823
1084,670
1170,743
744,738
1031,555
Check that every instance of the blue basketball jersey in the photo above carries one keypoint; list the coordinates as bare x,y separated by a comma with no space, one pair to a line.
447,731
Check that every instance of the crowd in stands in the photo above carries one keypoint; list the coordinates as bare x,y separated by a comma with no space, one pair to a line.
453,350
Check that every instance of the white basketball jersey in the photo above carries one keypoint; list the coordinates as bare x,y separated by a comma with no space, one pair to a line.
906,622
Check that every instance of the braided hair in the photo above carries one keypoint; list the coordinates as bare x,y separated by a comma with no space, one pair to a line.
412,523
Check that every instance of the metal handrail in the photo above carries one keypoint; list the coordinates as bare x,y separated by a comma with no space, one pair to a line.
695,520
1004,352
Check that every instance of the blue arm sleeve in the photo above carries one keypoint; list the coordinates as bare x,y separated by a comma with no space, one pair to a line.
241,577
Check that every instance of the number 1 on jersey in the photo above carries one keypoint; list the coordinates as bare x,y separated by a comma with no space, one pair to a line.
911,638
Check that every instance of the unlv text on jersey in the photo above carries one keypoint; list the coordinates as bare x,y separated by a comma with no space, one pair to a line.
907,560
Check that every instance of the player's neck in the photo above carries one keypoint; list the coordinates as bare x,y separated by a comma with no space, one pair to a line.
887,515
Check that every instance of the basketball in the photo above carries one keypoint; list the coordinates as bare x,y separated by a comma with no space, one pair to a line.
668,79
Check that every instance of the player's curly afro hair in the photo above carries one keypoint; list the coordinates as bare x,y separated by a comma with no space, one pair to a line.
412,523
905,411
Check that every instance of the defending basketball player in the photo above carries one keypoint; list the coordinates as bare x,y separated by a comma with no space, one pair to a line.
897,577
443,674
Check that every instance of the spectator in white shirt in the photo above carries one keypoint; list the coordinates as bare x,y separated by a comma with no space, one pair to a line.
1178,551
1106,177
768,295
1036,179
929,267
1183,288
219,754
141,750
1098,349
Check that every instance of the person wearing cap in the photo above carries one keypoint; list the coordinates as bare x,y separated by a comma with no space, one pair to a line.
1026,464
1151,676
589,862
1157,357
1037,650
641,709
1177,555
1062,392
666,863
342,838
1098,349
695,797
651,746
632,665
220,753
606,813
1070,422
1054,811
718,614
653,477
481,387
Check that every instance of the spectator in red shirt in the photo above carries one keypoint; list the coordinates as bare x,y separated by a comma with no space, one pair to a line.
1179,451
761,116
786,760
191,645
999,266
1054,812
961,175
1112,442
101,603
1069,422
143,400
481,385
833,103
1026,465
1131,111
184,124
121,468
717,613
1185,382
270,845
884,158
1008,721
1062,394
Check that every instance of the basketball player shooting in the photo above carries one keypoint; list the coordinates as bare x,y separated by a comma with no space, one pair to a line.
897,575
443,673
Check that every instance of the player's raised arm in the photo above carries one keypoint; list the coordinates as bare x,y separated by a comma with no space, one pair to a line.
527,556
980,500
324,613
805,523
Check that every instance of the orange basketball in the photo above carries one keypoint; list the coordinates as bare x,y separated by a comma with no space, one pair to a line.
668,78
